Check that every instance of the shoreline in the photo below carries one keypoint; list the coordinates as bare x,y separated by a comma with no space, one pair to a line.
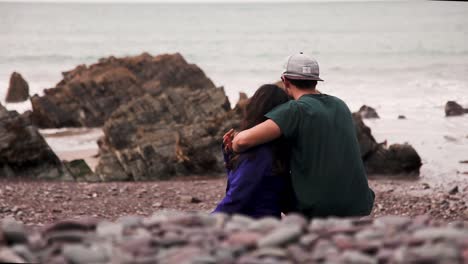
41,202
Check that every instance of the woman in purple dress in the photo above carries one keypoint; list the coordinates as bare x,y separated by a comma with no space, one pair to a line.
258,183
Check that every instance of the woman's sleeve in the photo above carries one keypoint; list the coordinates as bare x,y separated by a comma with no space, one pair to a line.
245,180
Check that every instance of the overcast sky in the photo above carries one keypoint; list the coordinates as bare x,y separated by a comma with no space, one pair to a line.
178,1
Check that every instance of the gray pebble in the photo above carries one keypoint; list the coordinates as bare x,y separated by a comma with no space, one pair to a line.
447,233
130,221
355,257
110,230
13,231
280,236
82,254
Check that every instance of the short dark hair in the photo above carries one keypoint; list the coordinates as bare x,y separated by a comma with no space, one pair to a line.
303,84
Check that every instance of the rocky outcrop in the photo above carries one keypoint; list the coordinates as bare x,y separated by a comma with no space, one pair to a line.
241,104
25,154
379,159
156,137
18,91
452,108
368,112
23,151
88,95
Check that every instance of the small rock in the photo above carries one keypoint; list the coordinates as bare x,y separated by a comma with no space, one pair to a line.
110,230
243,238
24,252
18,91
264,225
447,233
452,108
277,253
393,221
157,204
190,199
8,256
280,236
368,112
294,219
454,190
130,221
309,239
425,186
13,231
401,117
355,257
83,254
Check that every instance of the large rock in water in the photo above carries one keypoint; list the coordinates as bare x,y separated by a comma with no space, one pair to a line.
18,91
88,95
176,133
398,159
23,151
452,108
368,112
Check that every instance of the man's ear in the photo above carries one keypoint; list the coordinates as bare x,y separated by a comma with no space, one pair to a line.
286,83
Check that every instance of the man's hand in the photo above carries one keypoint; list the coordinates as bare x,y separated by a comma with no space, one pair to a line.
257,135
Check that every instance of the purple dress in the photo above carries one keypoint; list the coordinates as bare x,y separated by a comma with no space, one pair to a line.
252,188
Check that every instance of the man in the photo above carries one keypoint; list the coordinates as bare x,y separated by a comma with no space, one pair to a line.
327,172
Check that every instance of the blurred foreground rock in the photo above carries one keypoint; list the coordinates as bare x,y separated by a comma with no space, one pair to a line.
18,91
398,159
174,237
452,108
88,95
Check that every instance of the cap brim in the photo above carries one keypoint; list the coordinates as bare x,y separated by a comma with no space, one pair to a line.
301,77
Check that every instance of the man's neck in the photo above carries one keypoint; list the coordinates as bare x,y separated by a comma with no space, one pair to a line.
300,93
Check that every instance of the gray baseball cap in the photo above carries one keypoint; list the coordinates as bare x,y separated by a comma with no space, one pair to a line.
301,67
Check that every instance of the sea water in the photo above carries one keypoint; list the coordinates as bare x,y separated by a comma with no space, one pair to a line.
401,57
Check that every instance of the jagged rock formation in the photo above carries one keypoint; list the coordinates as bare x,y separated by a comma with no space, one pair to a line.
23,151
18,91
452,108
156,137
88,95
25,154
378,159
368,112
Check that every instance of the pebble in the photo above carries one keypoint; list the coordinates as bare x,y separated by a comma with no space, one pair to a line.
84,254
176,237
280,236
355,257
129,221
110,230
13,231
447,233
8,256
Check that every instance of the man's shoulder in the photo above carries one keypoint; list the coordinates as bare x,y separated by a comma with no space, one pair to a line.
290,105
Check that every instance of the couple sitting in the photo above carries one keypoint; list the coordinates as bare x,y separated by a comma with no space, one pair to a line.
298,155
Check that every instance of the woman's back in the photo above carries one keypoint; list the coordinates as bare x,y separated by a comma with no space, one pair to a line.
254,188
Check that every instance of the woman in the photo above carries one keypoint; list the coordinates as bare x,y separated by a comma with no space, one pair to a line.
258,179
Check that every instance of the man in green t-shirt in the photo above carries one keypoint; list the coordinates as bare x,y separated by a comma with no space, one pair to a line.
327,172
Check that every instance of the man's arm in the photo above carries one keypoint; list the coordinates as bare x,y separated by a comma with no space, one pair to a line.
259,134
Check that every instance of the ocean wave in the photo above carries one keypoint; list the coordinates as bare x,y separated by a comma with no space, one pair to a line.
47,58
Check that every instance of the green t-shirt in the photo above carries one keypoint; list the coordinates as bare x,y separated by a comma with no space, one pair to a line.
327,172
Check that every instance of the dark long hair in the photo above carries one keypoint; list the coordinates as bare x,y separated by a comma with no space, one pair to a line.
267,97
